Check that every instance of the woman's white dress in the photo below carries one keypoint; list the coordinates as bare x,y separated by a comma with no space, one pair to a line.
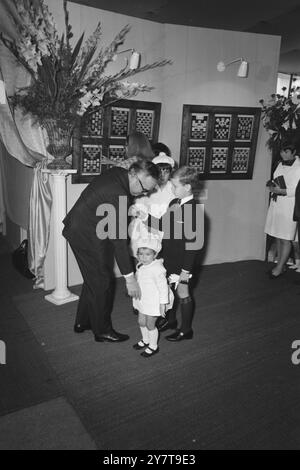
154,288
279,222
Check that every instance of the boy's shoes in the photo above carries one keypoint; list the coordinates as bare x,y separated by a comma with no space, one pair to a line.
140,345
78,328
165,325
149,352
179,336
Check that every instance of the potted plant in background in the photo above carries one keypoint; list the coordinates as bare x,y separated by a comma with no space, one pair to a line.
66,82
281,119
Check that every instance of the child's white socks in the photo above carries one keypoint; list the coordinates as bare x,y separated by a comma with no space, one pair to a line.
153,338
145,334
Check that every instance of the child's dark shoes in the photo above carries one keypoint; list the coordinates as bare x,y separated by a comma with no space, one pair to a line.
149,352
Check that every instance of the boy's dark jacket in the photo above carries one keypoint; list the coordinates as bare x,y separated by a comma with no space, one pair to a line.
183,221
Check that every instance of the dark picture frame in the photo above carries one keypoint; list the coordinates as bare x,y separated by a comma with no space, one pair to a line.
104,132
220,141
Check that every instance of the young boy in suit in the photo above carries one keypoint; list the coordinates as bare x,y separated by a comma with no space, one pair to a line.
183,227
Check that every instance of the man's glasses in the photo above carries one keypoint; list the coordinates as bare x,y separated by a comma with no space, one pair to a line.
144,190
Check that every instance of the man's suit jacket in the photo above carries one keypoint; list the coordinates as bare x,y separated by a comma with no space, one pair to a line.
82,220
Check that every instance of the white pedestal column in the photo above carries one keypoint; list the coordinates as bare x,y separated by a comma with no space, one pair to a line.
61,294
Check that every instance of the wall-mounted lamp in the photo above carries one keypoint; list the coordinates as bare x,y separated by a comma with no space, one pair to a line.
134,60
242,70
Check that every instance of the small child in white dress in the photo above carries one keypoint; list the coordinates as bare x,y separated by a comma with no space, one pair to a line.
156,296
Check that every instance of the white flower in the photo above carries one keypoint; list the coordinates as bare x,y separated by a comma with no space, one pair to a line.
86,98
43,48
40,36
295,98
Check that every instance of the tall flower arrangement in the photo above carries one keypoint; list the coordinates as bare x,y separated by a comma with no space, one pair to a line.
281,118
66,81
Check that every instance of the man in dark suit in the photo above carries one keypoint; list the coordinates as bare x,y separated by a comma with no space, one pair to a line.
96,229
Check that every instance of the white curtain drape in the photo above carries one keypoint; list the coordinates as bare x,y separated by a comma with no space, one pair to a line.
25,142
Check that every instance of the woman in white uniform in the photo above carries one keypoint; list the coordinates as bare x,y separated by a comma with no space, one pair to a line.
157,203
280,223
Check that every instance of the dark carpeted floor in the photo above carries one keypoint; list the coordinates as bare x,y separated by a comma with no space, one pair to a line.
232,387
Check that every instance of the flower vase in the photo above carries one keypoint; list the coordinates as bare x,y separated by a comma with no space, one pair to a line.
59,134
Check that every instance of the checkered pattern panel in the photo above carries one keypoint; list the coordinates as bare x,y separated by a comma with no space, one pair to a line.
199,124
91,159
144,122
218,161
240,159
119,122
196,158
222,126
117,153
244,127
93,124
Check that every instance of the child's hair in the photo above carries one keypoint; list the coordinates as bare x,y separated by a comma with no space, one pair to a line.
288,146
187,175
164,166
146,248
159,147
147,166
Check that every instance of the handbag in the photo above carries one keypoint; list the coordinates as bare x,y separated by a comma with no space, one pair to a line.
20,260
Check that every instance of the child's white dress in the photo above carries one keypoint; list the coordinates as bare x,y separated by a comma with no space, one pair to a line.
154,288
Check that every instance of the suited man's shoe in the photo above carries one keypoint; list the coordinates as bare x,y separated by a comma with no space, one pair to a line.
78,328
179,336
167,326
111,337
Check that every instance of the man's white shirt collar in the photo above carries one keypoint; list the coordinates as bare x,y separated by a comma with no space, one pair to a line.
186,199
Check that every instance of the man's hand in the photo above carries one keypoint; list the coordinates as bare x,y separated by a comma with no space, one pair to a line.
132,287
138,210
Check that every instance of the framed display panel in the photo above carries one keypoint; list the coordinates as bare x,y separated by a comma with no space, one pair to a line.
104,132
219,141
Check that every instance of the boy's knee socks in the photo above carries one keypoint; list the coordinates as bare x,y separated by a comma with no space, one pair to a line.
187,310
